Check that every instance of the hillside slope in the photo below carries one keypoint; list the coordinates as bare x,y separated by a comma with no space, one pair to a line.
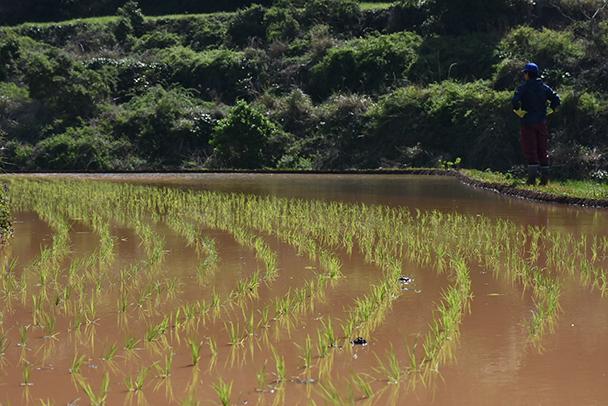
322,84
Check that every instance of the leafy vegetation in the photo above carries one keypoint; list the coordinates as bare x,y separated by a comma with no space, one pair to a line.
337,84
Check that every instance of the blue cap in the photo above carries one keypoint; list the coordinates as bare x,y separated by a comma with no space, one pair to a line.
532,68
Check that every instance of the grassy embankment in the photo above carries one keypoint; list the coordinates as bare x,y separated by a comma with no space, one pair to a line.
580,189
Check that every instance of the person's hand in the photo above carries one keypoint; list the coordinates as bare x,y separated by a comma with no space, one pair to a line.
520,112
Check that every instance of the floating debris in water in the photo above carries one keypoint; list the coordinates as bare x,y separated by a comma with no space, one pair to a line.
359,341
405,280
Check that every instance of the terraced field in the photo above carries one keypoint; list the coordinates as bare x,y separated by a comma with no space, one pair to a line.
298,290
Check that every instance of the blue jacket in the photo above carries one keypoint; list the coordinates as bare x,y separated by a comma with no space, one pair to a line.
532,96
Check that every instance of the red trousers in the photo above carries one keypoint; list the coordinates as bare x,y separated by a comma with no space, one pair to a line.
534,139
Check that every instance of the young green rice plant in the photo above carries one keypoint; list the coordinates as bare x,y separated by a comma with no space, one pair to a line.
212,347
164,369
391,369
328,332
156,331
264,317
235,337
364,387
3,345
26,380
137,384
131,344
110,353
22,336
95,398
223,391
322,345
50,326
306,356
195,351
77,363
262,378
333,396
216,304
279,364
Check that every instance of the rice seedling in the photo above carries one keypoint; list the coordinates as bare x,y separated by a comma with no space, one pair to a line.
26,374
164,369
363,386
110,353
235,336
195,351
391,370
131,344
96,398
261,378
280,369
212,347
306,356
136,384
3,344
223,391
333,396
77,363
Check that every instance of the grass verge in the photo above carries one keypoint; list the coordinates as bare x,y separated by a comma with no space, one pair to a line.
578,189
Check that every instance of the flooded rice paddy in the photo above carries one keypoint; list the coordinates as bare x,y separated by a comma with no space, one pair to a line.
298,289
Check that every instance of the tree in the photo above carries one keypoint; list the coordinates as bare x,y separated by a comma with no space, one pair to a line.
246,138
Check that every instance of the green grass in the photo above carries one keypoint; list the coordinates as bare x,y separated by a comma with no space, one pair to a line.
586,189
365,5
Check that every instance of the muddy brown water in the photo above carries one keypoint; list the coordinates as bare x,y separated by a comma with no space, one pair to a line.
493,363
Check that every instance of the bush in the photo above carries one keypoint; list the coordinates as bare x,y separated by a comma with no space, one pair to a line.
367,64
246,139
282,23
156,40
342,15
81,148
466,57
339,141
247,24
220,73
448,120
67,89
19,116
558,54
463,16
165,127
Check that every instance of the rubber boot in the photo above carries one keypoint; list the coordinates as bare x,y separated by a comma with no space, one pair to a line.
544,175
532,174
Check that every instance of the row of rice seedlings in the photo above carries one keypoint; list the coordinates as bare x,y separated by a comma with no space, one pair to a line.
445,329
545,294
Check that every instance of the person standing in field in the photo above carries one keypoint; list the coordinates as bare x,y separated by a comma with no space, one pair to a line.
533,102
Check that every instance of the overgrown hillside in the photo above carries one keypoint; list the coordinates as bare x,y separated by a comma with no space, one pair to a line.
323,84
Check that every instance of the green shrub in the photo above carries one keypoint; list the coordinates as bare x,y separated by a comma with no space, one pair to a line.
220,73
247,24
165,127
339,140
466,57
558,54
282,23
366,65
464,16
83,148
342,15
448,120
156,40
130,21
246,138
